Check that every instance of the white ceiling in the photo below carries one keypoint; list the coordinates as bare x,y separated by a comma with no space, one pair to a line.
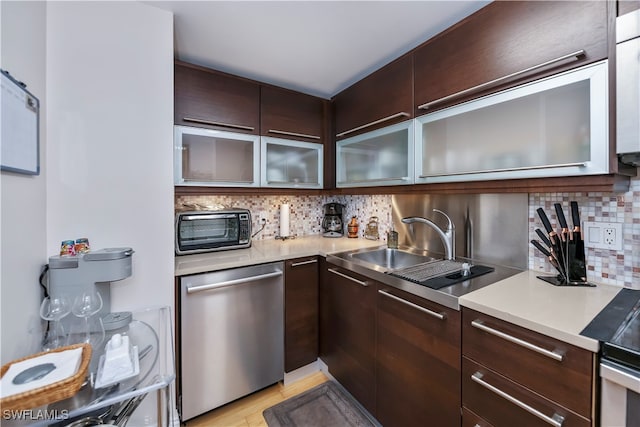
316,47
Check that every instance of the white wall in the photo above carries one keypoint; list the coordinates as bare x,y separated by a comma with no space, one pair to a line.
110,138
23,198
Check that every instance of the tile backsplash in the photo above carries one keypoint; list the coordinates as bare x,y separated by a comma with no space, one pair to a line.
621,268
306,211
604,266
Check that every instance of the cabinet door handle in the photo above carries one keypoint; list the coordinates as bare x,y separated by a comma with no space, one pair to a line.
495,82
551,354
209,122
287,133
355,181
359,282
555,420
522,168
297,264
375,122
440,316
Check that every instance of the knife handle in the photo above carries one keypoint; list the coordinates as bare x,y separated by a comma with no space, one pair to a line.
541,248
543,237
545,220
560,214
575,216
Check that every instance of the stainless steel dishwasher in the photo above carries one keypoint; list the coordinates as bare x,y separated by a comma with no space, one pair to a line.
232,335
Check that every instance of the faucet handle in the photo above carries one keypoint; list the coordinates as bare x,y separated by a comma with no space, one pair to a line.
450,225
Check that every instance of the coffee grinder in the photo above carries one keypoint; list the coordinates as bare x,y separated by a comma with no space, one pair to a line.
332,224
70,276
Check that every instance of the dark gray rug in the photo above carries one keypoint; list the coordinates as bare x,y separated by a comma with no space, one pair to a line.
322,406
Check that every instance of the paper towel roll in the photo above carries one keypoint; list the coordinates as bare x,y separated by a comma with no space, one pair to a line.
284,220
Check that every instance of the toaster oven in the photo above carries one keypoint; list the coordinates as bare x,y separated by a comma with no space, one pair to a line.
207,231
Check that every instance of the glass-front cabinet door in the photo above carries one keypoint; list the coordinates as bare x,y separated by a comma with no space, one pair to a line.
557,126
206,157
380,157
291,164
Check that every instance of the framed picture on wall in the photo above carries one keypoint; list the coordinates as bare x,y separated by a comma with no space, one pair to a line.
19,128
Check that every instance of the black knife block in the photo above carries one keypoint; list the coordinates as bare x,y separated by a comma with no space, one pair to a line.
577,269
560,281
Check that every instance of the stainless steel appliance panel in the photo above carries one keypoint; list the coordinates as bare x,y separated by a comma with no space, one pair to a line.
628,83
493,228
232,335
620,398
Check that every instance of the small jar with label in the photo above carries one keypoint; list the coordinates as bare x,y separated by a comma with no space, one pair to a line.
82,245
67,248
352,228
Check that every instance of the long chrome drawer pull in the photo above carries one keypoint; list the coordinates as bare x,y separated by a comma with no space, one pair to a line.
209,122
440,316
375,122
556,420
301,135
192,289
359,282
311,261
577,54
355,181
523,168
552,354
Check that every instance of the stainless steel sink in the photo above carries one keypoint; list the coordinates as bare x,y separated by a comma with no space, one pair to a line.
390,259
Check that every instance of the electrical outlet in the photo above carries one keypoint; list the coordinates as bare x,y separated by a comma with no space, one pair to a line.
263,217
609,236
603,235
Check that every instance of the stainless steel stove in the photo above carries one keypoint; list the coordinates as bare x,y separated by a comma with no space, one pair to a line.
618,328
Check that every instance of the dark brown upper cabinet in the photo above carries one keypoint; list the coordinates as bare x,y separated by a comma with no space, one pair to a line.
494,48
380,99
292,115
214,100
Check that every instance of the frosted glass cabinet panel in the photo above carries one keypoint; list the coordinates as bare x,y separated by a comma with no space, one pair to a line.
291,164
552,127
380,157
206,157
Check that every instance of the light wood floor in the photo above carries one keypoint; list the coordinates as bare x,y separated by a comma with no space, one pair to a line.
247,412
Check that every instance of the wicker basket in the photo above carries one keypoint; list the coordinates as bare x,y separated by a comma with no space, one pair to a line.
50,393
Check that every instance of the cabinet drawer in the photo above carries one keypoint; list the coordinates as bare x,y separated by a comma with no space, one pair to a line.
470,419
552,368
504,403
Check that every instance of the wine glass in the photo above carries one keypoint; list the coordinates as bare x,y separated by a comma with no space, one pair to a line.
54,309
86,305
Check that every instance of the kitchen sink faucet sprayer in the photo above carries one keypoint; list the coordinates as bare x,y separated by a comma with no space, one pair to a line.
448,237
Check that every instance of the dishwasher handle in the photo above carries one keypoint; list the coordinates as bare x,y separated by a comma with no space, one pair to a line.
226,284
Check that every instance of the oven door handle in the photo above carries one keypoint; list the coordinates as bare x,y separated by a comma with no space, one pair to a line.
611,372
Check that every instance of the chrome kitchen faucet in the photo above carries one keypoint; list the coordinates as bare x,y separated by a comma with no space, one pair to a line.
448,237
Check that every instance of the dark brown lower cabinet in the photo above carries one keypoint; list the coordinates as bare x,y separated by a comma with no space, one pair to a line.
301,312
469,419
349,310
418,361
514,376
502,402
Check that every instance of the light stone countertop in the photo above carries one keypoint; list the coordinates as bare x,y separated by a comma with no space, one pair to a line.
522,299
556,311
263,251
